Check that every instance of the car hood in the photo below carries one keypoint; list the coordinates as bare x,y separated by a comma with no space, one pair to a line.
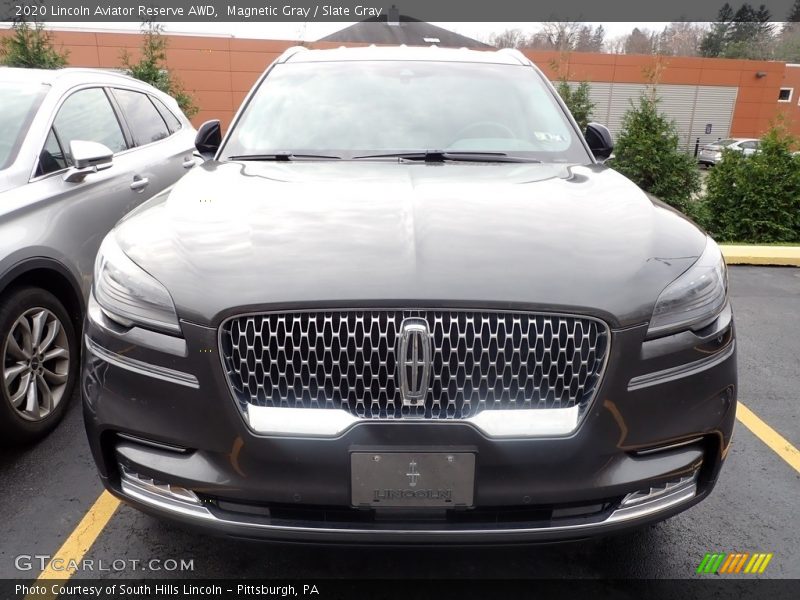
237,237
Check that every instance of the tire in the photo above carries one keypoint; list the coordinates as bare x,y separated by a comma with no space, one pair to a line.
42,372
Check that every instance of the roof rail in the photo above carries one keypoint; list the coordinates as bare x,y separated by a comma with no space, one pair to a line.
523,60
289,53
103,71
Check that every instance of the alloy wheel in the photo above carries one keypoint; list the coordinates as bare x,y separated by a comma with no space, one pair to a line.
36,363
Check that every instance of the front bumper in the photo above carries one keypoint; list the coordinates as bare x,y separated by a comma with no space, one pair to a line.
160,409
709,158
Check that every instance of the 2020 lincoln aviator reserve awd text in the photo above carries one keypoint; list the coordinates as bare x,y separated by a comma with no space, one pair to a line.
404,301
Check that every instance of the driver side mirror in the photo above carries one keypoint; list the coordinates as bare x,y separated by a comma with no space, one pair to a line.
87,157
208,139
599,139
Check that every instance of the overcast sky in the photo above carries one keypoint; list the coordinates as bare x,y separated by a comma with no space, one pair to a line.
314,31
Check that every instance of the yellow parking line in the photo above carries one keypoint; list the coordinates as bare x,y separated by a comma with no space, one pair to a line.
61,565
779,444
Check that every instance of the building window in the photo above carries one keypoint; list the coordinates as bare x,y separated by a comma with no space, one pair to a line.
785,95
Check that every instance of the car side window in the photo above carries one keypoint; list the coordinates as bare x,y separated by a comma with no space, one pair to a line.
88,115
173,122
144,120
51,158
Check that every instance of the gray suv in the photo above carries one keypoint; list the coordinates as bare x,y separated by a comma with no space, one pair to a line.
79,148
404,301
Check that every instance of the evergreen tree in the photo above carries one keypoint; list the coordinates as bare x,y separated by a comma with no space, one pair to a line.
648,152
794,13
31,46
599,38
640,41
788,43
714,42
151,67
577,100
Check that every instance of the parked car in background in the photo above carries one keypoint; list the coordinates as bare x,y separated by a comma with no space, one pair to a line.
404,302
79,148
711,154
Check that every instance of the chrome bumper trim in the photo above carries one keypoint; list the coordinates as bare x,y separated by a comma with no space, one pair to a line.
329,422
666,448
140,367
203,514
687,370
161,496
640,505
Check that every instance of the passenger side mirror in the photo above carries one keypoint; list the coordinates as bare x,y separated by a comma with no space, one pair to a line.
208,139
87,157
599,139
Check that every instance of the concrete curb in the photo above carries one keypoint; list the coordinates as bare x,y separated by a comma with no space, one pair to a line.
761,255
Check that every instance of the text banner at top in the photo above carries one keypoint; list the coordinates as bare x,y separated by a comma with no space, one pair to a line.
349,11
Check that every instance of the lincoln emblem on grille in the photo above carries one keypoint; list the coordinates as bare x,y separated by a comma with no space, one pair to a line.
413,474
414,361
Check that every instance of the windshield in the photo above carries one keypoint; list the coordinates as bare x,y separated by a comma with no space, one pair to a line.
362,108
20,101
724,143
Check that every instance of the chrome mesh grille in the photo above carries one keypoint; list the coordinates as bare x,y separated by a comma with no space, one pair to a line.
347,359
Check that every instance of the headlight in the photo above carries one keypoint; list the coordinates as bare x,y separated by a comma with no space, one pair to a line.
129,295
695,297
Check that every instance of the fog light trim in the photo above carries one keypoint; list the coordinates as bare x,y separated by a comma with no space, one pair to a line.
134,483
656,498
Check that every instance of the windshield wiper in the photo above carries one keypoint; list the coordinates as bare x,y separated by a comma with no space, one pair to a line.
452,155
284,156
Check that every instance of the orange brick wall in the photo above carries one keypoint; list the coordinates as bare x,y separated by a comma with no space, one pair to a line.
219,71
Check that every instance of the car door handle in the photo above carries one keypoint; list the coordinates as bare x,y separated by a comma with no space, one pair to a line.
139,183
188,163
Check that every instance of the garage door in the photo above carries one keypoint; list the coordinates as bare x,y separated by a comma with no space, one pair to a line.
692,107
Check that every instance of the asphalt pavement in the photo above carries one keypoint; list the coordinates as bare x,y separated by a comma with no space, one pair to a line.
46,490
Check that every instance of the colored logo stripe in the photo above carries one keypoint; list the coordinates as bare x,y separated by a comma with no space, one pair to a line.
703,563
723,562
740,564
725,568
758,563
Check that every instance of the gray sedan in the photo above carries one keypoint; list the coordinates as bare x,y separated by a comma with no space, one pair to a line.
711,154
79,148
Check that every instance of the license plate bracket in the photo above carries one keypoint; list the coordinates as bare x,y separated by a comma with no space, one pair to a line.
412,479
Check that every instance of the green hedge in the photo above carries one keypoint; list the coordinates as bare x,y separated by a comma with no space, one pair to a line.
756,198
